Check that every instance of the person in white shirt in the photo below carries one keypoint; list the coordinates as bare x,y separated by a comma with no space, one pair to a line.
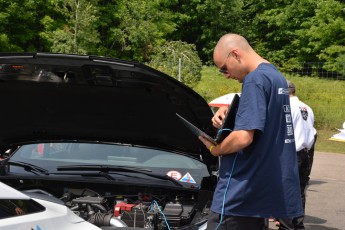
305,137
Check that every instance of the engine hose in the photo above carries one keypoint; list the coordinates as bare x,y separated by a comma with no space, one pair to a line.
102,219
100,207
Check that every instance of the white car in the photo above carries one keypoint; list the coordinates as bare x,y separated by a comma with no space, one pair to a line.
19,211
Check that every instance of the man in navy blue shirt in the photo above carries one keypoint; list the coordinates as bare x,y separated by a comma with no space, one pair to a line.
258,176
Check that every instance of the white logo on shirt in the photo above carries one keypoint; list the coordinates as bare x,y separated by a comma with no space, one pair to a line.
283,91
286,108
289,130
289,141
304,112
288,118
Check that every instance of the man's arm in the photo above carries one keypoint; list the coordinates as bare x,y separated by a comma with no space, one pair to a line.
236,141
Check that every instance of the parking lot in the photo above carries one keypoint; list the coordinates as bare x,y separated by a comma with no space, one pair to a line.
325,207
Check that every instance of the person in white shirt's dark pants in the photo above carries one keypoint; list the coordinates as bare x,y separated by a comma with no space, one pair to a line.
305,137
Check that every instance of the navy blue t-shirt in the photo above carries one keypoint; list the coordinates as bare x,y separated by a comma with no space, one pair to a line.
264,181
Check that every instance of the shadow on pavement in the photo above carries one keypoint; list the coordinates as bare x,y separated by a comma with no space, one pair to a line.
315,223
313,220
319,227
316,182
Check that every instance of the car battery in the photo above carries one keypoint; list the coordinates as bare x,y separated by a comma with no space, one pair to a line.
177,214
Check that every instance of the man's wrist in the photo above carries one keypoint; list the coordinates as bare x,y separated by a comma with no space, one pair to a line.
212,150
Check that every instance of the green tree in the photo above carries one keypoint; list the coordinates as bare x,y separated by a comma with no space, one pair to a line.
106,21
76,32
203,22
216,18
6,45
294,31
168,56
20,25
253,25
142,25
326,33
277,23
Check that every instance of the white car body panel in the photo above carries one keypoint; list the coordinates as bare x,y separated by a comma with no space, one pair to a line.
55,217
7,192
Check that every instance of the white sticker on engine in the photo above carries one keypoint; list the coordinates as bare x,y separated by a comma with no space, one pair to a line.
174,174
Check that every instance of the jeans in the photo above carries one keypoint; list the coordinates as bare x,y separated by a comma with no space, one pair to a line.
234,222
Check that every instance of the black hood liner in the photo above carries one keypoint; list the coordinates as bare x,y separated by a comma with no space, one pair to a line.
47,97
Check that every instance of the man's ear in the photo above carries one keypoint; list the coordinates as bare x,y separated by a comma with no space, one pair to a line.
236,54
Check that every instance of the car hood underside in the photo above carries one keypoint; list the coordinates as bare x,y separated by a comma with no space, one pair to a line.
48,97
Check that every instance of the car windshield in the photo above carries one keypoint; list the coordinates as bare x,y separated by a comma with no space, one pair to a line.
52,158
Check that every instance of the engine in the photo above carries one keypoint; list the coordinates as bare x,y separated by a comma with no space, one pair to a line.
140,206
139,211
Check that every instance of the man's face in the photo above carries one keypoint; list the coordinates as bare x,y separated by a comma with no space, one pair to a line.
230,67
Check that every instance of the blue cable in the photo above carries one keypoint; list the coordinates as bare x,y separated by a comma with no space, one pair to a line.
165,219
226,191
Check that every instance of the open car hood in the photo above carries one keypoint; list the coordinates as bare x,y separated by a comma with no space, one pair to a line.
47,97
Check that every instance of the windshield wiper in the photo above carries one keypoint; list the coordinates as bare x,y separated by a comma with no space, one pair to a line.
29,167
93,174
102,168
106,169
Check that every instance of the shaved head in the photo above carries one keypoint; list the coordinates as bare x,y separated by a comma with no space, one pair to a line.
234,57
231,41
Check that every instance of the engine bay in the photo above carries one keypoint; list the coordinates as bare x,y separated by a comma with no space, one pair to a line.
126,206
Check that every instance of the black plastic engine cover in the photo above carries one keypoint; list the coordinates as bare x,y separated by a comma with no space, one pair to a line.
177,214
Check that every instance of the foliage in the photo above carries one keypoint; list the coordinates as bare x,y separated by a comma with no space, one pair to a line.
215,19
77,33
323,31
142,25
6,46
168,56
285,32
278,22
20,25
204,22
335,56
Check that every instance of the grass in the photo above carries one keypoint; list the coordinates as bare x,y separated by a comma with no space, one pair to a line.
323,144
326,97
213,84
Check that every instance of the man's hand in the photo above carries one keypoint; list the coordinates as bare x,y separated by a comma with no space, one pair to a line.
19,211
234,142
219,116
209,145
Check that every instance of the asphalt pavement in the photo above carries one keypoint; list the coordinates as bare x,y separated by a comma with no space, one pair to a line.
325,202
